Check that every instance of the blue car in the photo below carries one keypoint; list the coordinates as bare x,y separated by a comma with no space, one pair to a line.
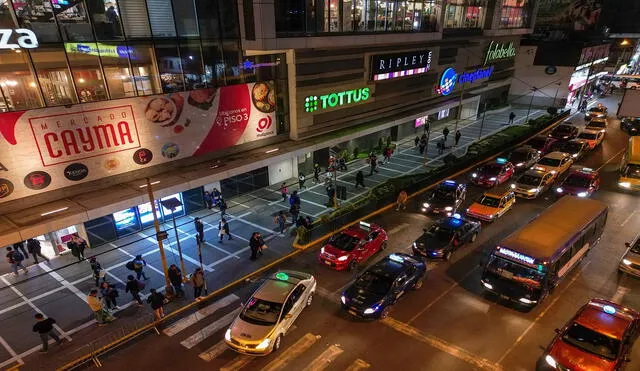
376,289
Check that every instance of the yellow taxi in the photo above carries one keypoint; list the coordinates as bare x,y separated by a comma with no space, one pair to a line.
593,138
556,163
492,205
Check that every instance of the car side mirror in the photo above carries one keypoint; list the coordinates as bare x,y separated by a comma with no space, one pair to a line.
425,230
627,359
627,244
557,330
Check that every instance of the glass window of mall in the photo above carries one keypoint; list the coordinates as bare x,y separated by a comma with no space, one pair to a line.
465,14
297,17
96,50
515,14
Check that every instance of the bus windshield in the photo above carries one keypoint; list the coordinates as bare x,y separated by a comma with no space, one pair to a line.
520,274
632,171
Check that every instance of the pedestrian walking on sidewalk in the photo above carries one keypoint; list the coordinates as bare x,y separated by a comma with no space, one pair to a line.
360,179
215,196
416,141
294,211
512,116
75,249
295,199
35,249
20,246
223,226
401,202
422,145
457,137
109,295
134,287
15,258
342,164
445,133
44,328
373,163
156,300
316,173
138,267
440,145
284,191
281,219
208,199
102,316
223,207
254,245
387,154
98,272
301,180
331,193
197,279
175,276
82,244
199,230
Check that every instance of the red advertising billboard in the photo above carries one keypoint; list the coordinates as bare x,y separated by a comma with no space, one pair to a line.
51,148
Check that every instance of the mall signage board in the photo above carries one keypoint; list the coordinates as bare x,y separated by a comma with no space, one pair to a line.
52,148
337,99
390,66
25,38
499,52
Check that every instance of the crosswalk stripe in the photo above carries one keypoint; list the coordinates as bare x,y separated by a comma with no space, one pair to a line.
209,330
323,360
182,324
214,351
292,353
237,363
358,365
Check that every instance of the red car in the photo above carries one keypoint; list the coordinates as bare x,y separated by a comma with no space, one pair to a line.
494,173
542,144
353,246
599,337
581,182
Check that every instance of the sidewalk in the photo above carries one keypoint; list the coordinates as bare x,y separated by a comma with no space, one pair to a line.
59,290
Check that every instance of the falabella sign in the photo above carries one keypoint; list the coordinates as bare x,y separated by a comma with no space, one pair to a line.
314,103
51,148
499,51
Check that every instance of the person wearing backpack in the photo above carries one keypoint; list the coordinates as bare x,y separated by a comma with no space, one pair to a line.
175,276
156,300
109,295
20,246
134,287
138,267
15,258
98,272
35,249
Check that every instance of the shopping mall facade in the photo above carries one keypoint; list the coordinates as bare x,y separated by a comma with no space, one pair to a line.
99,95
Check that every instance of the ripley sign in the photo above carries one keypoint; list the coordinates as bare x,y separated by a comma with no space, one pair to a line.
389,66
499,51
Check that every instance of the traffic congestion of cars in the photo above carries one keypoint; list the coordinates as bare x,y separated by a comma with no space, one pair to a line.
598,337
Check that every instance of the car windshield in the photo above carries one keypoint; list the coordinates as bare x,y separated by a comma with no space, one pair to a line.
537,142
261,312
632,171
490,201
491,169
591,341
597,124
596,109
636,247
577,181
515,272
572,147
516,157
445,193
530,180
563,129
546,161
440,233
588,136
374,283
344,242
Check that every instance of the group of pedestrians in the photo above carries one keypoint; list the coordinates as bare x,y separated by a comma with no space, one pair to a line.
441,144
214,199
17,253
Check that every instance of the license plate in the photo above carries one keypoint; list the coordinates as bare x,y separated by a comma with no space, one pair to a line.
327,262
505,297
436,211
353,312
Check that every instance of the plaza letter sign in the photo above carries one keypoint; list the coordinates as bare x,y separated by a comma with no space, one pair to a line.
499,51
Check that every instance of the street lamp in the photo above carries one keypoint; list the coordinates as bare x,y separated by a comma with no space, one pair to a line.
556,96
534,90
484,113
172,204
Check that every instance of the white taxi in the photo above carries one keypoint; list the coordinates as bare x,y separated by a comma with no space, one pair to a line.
556,163
269,313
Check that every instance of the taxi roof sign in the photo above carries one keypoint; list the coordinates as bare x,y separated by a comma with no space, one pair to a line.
501,160
396,258
365,225
281,276
609,309
587,170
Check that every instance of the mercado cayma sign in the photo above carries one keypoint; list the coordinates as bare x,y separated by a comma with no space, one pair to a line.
499,51
51,148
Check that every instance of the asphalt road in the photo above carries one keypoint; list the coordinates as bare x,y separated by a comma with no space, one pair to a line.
447,325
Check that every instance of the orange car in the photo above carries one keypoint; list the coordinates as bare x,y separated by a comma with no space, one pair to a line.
492,205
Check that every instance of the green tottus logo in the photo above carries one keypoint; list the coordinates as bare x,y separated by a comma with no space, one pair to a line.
313,103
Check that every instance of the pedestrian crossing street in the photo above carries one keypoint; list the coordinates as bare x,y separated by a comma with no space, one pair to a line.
203,331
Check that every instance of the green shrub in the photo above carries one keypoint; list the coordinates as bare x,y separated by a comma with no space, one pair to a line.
356,152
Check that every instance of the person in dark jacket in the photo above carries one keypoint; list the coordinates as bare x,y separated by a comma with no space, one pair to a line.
109,294
360,179
254,244
197,279
35,249
98,272
445,133
134,286
199,229
208,199
457,137
175,276
223,206
156,300
20,245
138,267
44,328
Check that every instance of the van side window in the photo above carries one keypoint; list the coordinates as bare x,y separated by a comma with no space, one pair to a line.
564,259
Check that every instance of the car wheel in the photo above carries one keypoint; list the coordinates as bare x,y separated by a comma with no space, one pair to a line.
352,265
310,299
447,255
383,246
417,285
473,237
277,343
385,313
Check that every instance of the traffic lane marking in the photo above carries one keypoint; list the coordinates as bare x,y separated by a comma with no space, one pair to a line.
193,318
293,352
358,365
210,329
325,359
629,218
441,345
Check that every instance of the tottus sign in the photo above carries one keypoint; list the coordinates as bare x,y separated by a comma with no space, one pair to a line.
314,103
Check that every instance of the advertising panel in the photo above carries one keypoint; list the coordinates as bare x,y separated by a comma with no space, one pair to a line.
390,66
51,148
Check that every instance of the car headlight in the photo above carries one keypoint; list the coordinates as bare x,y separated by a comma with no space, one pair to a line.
493,179
550,361
565,137
491,216
553,171
448,208
575,155
369,311
487,285
343,258
583,194
426,205
227,335
626,261
264,344
624,184
415,245
519,164
533,190
474,175
343,299
322,250
559,190
513,186
527,301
